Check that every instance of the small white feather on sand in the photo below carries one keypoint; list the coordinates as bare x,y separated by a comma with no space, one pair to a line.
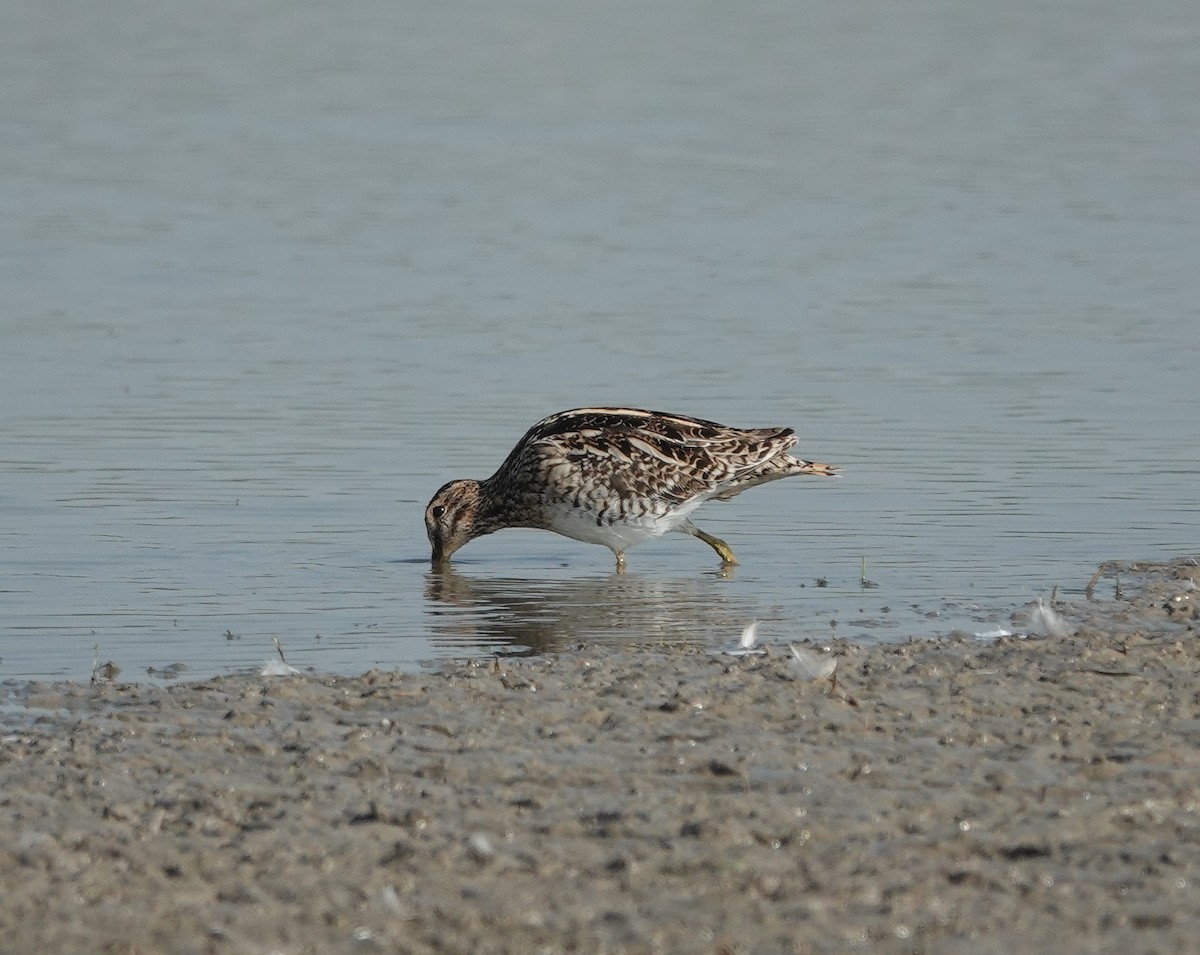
811,665
278,668
1049,622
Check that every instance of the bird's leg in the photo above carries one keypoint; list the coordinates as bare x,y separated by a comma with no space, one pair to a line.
722,549
620,561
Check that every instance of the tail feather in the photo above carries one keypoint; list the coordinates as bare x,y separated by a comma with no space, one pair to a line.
779,467
800,466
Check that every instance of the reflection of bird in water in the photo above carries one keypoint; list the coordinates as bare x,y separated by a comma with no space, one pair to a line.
614,476
547,615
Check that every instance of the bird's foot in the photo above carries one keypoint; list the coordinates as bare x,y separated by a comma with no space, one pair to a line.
722,549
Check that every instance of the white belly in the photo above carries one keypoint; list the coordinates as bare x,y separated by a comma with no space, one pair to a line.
581,525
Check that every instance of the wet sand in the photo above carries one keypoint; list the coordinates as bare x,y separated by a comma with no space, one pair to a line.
1028,794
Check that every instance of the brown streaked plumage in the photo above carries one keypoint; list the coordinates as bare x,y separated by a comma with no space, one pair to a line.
613,476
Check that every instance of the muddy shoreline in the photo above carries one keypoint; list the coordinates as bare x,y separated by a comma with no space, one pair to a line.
1030,794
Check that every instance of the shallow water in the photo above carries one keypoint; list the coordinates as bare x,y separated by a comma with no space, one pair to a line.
272,276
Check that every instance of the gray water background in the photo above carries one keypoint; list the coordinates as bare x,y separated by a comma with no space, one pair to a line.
273,272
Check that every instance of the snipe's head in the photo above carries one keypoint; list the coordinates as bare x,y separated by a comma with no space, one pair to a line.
450,518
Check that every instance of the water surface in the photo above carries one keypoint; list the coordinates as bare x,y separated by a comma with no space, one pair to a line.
273,275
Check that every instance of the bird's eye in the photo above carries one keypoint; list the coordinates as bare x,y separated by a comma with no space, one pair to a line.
438,511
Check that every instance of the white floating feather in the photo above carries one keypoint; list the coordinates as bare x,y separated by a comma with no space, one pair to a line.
746,643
